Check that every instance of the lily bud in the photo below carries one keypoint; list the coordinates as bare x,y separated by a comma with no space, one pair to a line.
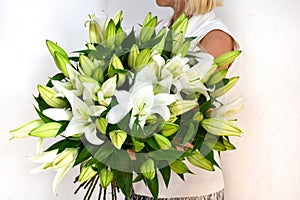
134,52
142,59
48,95
220,127
147,18
61,62
169,129
179,167
96,35
101,124
162,141
227,58
160,46
24,130
110,34
86,65
98,74
210,72
118,138
224,89
198,117
148,170
115,63
106,177
88,79
48,130
217,77
177,25
138,146
53,47
118,17
200,161
182,106
183,49
119,36
86,174
148,30
109,86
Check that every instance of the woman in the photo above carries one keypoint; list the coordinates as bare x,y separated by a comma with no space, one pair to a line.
213,37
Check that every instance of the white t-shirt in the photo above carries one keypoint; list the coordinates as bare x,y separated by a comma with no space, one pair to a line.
202,182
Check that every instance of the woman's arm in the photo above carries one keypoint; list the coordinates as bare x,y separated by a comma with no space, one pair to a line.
216,43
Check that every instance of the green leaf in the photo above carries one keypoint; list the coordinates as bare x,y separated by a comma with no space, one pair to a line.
84,154
165,154
153,186
166,174
190,134
68,144
55,146
130,40
124,181
104,151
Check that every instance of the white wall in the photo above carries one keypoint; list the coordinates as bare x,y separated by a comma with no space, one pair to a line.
266,165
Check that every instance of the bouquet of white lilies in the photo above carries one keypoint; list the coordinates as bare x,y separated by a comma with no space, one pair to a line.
131,106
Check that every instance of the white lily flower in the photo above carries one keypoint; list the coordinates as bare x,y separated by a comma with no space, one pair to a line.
141,100
83,111
61,163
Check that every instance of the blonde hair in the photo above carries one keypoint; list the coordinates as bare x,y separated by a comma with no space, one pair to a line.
194,7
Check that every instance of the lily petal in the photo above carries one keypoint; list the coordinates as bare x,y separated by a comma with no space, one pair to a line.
58,114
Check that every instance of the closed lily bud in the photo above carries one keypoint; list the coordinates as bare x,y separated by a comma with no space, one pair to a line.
53,47
138,146
106,177
228,145
220,127
48,130
159,47
48,95
200,161
148,30
169,129
109,86
134,52
198,117
217,77
210,72
182,106
119,36
86,65
110,34
88,79
183,49
227,58
115,63
147,18
142,59
101,124
118,17
148,170
179,167
98,74
177,25
96,35
24,130
224,89
118,138
61,62
87,173
162,141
